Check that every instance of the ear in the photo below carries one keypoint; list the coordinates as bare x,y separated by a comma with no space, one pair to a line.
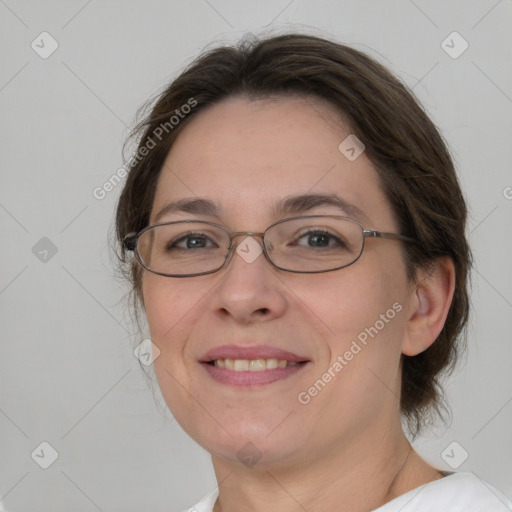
429,303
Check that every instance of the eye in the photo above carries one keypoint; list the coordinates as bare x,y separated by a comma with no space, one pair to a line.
320,238
191,241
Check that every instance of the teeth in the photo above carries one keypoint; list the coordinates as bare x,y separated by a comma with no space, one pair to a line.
252,365
272,363
241,365
257,365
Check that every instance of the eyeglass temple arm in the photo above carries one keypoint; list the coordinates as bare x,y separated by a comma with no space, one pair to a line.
384,234
130,241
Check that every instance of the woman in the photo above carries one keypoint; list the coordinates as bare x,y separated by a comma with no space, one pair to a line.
300,255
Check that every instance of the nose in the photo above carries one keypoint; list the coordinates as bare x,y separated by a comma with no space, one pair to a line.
249,290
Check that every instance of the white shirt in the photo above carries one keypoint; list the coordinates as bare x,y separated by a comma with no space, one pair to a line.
457,492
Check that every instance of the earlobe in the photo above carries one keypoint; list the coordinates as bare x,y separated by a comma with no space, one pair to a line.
429,304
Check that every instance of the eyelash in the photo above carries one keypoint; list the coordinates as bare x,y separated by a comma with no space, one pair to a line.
317,231
185,237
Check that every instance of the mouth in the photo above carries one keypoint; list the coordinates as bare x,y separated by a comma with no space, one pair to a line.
251,366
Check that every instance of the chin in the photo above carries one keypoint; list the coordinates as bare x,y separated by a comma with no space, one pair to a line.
251,444
260,455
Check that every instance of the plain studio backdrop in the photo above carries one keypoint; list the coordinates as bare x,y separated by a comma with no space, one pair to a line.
80,428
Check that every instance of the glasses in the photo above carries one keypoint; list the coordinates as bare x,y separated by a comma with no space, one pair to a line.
307,244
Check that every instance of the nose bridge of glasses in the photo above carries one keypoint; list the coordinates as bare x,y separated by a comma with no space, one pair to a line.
232,236
248,233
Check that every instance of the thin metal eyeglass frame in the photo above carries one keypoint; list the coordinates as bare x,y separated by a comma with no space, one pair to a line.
130,243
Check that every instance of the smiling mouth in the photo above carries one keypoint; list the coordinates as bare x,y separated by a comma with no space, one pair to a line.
253,365
249,365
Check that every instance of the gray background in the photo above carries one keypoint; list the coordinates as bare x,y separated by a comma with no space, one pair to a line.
68,375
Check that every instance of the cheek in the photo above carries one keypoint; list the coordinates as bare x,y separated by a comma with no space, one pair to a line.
366,318
168,306
363,308
174,308
169,313
157,299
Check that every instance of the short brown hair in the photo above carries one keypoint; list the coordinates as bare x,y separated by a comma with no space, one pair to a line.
408,152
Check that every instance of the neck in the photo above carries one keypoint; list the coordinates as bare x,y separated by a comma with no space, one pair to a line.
356,477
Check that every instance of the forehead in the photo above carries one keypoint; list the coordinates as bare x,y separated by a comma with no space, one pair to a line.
247,155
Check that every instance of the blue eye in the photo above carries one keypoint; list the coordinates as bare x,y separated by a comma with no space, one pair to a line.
192,241
318,239
321,238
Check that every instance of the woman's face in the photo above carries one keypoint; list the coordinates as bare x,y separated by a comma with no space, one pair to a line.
347,326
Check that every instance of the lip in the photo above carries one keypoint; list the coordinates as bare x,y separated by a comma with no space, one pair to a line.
248,378
251,352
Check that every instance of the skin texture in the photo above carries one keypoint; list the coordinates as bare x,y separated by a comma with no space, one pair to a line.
345,448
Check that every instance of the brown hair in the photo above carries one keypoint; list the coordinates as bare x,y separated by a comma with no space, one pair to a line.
417,173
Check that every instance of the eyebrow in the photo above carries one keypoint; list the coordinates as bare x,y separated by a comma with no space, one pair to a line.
304,202
195,206
288,205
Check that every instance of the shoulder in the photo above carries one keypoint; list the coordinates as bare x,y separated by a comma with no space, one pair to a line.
457,492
